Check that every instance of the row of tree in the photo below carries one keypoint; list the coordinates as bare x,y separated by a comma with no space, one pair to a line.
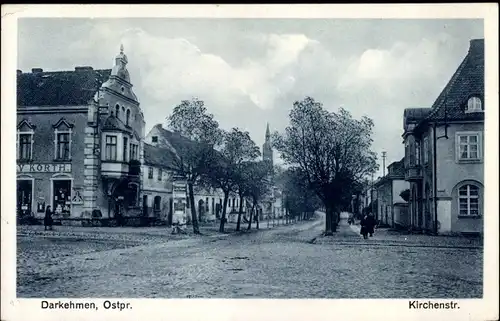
215,158
328,157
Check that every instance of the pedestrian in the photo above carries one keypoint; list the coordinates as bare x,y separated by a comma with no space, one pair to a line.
364,228
47,220
370,224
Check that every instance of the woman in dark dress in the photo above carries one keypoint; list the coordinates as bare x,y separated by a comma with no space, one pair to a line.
47,221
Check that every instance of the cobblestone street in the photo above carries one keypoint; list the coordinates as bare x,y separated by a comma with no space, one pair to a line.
291,261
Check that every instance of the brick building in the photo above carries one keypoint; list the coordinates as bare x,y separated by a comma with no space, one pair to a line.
444,153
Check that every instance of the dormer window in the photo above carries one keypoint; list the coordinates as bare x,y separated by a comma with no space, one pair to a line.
474,104
154,139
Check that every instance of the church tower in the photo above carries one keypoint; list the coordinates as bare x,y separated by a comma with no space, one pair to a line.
267,150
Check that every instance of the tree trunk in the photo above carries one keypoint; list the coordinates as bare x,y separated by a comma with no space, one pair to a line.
239,214
328,221
251,217
196,229
223,217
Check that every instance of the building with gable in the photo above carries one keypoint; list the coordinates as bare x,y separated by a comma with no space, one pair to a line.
391,207
79,142
444,153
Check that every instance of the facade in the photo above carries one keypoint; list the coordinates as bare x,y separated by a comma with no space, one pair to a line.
83,150
162,150
392,208
444,153
78,135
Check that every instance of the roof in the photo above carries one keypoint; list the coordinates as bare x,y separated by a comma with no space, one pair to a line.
467,81
176,140
59,88
158,156
416,114
113,123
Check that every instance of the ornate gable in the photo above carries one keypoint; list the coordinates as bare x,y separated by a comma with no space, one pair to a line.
25,126
62,124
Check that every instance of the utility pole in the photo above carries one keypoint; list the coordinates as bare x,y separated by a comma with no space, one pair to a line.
384,155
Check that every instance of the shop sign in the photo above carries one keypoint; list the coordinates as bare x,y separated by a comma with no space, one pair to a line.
44,168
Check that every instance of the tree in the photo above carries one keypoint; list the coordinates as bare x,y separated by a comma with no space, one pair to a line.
257,185
201,134
332,150
300,200
237,149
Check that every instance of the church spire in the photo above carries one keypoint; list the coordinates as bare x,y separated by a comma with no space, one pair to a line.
267,150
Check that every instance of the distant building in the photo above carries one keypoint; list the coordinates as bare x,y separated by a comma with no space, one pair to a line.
162,150
391,208
272,202
444,153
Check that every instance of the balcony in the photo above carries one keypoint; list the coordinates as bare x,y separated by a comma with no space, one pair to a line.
413,173
114,169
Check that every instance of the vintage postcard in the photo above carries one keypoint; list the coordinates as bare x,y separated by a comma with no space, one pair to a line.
316,162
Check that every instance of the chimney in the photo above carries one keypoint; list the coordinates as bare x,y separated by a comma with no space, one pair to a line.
476,47
35,70
19,72
83,68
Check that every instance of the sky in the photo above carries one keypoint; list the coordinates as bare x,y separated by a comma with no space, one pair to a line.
250,71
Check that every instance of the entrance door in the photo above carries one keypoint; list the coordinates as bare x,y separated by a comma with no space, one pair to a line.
24,196
145,205
61,203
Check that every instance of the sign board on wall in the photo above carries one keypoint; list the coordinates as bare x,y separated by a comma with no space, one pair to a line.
44,168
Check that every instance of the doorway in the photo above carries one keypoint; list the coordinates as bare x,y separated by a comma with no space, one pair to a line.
61,199
24,196
145,205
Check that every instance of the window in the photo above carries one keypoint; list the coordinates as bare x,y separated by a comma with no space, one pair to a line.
110,152
154,139
25,146
468,200
417,153
133,151
426,150
125,148
474,104
128,117
150,172
24,140
468,146
117,111
160,174
63,142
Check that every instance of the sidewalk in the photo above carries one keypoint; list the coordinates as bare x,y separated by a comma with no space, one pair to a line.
349,235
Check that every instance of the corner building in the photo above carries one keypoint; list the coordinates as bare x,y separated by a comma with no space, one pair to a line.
79,142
